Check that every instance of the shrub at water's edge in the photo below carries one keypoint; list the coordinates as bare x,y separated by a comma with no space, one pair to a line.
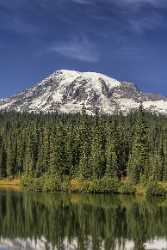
105,185
53,184
155,189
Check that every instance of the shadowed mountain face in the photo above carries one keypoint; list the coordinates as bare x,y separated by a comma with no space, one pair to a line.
66,91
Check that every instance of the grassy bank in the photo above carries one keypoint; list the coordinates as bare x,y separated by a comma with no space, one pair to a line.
10,182
105,185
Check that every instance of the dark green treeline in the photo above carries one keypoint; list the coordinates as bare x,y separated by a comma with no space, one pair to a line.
83,146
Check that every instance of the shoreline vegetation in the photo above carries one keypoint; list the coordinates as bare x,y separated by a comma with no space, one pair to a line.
10,182
105,185
80,153
108,186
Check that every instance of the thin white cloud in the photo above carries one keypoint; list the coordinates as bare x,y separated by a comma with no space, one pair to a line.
79,48
126,2
137,5
145,23
154,2
17,24
82,1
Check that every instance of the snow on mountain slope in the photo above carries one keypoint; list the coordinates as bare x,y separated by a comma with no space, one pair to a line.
66,91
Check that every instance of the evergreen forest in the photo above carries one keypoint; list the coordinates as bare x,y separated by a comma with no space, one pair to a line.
97,149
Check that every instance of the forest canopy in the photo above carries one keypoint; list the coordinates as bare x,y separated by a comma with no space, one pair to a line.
85,147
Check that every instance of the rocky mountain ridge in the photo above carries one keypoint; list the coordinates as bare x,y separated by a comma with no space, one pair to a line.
66,91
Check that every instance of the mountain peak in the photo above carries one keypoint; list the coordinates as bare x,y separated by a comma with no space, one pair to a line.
67,90
67,73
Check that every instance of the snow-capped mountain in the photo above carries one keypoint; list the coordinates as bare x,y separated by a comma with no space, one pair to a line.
66,91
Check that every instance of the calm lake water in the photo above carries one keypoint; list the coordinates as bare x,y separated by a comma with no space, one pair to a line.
61,221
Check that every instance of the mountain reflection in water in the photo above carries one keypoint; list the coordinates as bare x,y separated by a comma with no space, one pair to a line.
88,222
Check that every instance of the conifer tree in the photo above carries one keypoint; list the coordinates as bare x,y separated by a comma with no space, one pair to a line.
10,157
164,153
20,141
138,161
40,154
2,159
52,153
111,158
84,164
57,152
46,141
28,161
97,159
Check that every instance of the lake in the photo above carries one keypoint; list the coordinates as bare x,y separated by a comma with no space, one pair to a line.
77,221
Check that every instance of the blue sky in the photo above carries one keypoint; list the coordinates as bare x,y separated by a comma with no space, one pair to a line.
126,39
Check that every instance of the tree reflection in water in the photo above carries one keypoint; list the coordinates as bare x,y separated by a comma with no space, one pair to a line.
74,221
